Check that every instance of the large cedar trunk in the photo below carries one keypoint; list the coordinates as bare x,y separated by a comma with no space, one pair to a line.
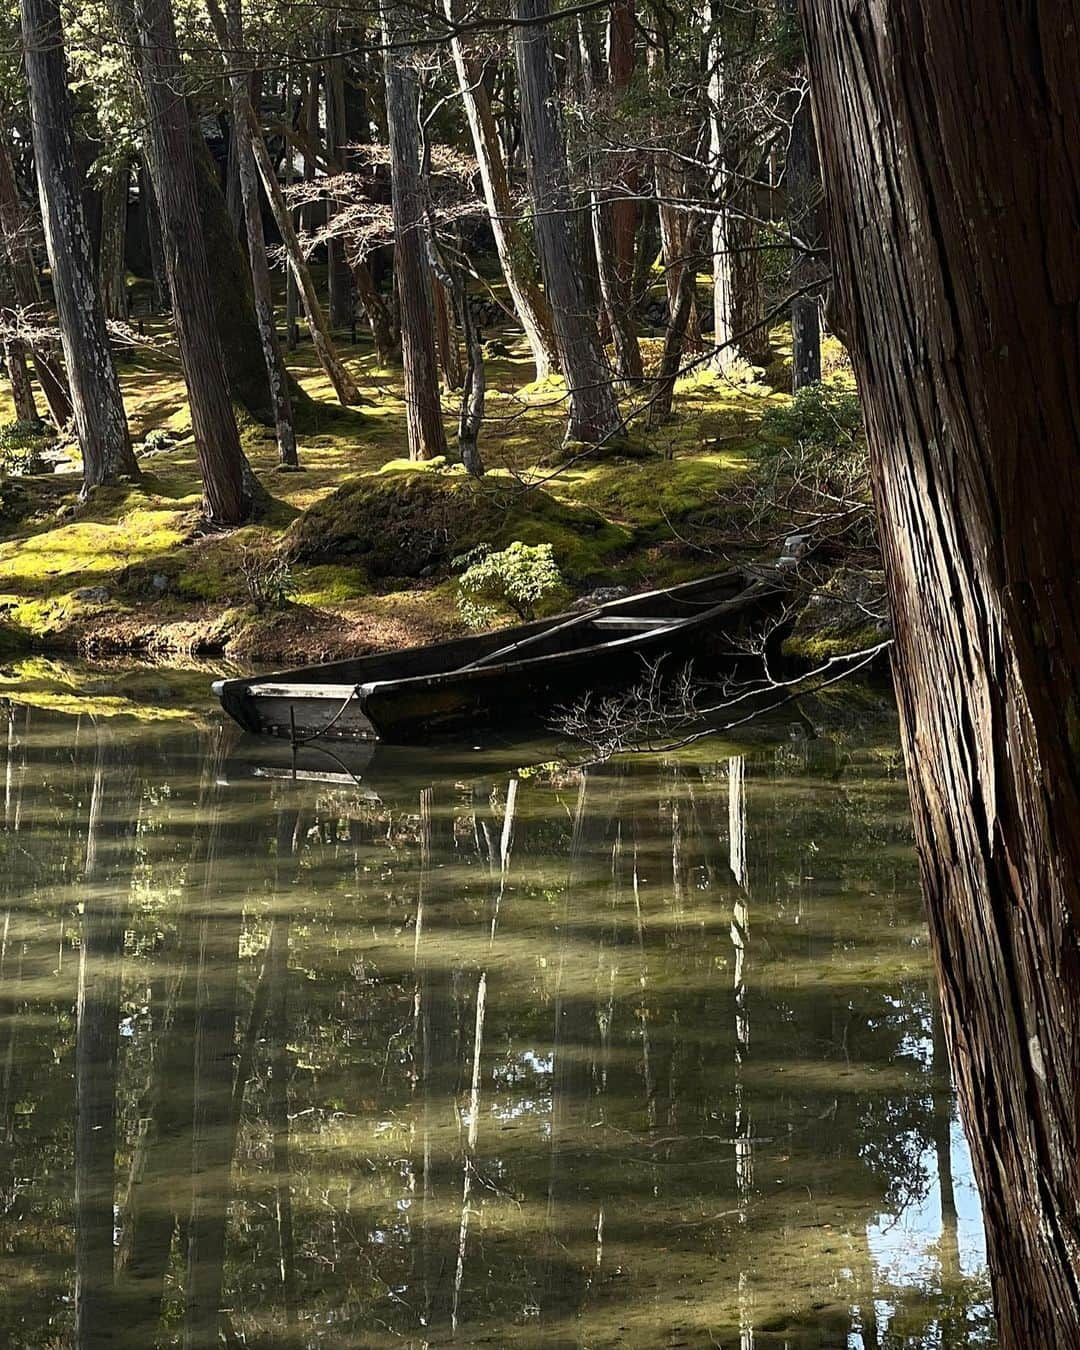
227,480
594,412
412,277
100,420
948,137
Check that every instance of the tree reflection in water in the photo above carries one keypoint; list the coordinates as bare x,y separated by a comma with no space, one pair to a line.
636,1056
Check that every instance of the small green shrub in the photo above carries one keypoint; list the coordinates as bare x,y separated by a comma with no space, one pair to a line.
22,448
519,576
820,417
269,578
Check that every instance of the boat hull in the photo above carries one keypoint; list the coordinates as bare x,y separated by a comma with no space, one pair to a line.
524,676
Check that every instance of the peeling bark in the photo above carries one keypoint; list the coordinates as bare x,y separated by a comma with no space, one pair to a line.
953,178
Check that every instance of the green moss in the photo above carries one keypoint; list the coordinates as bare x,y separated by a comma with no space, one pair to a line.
411,520
330,584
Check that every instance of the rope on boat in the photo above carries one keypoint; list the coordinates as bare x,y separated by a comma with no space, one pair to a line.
295,740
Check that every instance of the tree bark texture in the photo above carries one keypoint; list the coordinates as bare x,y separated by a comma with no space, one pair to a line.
100,420
412,277
954,189
339,276
227,480
152,217
594,412
230,33
530,303
805,208
111,274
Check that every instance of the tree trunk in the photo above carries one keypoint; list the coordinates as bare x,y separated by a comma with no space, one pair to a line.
962,315
748,295
230,34
331,362
594,412
625,213
412,277
14,348
337,268
111,274
724,242
153,238
674,343
100,420
529,300
802,181
27,290
613,292
292,295
228,485
387,341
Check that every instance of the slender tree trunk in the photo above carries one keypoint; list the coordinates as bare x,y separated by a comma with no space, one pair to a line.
625,213
674,344
412,277
100,420
724,242
594,412
962,318
227,481
292,295
530,303
22,393
26,288
380,320
230,34
802,180
338,274
616,314
748,294
446,339
153,238
111,275
331,362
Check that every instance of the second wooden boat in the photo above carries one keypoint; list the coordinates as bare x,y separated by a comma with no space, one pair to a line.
507,677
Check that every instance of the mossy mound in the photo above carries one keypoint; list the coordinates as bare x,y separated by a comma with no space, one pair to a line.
411,521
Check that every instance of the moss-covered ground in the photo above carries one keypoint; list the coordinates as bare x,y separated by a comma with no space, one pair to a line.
368,536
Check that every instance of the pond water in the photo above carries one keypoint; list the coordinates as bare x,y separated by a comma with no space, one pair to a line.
467,1049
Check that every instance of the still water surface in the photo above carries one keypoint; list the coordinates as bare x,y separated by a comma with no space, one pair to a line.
469,1051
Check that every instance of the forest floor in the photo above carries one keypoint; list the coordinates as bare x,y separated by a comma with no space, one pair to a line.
367,538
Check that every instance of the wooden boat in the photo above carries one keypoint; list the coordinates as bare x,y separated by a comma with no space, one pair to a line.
510,676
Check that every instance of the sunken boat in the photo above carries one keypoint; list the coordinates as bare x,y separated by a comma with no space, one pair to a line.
509,677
